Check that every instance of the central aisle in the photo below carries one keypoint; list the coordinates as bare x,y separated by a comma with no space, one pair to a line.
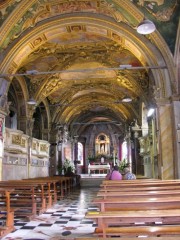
64,221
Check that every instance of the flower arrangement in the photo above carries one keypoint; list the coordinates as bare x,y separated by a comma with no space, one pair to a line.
123,164
68,165
91,159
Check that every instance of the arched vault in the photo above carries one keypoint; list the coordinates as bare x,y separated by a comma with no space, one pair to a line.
70,54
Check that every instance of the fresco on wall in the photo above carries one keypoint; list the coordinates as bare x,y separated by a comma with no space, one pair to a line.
160,12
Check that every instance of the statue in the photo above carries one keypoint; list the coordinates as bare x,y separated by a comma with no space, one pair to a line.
102,147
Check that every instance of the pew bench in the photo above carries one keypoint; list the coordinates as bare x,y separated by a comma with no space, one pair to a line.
134,208
138,231
135,183
135,188
119,218
127,238
141,182
57,186
45,190
6,212
25,199
137,194
62,185
112,220
141,203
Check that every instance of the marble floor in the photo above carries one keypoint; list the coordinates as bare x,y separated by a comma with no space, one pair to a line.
65,220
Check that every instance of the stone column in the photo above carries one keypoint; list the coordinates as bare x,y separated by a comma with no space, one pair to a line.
55,155
176,136
75,154
30,120
29,129
165,139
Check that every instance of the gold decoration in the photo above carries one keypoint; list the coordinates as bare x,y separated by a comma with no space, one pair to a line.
43,147
34,146
16,139
23,142
38,41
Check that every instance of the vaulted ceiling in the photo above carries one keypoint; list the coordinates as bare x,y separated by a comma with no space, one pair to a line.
69,53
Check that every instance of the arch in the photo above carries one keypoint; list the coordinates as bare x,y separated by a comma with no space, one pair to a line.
17,95
147,49
41,122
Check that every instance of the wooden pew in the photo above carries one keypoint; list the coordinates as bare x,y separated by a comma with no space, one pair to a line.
6,212
141,188
129,217
57,186
127,238
112,222
46,190
134,203
133,183
137,194
141,181
62,185
138,231
24,198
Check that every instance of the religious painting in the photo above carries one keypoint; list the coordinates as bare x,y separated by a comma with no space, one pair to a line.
124,151
67,152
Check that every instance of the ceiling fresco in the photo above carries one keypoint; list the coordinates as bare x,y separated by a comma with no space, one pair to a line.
78,58
165,14
160,11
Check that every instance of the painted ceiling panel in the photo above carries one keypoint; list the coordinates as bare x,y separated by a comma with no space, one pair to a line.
66,41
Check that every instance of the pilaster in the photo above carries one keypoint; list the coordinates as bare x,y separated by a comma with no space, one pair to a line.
4,110
176,136
55,155
166,155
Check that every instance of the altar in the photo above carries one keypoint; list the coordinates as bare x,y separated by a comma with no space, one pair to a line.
98,168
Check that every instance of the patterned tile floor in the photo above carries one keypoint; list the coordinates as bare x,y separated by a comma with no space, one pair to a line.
65,220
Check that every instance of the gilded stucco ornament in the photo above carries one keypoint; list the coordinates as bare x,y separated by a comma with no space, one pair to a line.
53,84
106,53
17,28
61,7
6,8
40,11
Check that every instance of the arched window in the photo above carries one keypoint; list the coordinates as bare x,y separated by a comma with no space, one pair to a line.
80,152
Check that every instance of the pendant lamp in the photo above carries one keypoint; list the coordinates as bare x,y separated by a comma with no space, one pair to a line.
127,99
31,101
146,27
